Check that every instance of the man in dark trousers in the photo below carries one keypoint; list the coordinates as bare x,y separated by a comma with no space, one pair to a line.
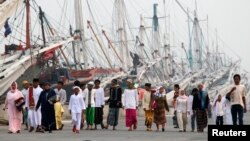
200,108
237,98
46,101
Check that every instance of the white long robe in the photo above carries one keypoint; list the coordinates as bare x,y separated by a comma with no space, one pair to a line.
76,105
34,117
85,95
227,111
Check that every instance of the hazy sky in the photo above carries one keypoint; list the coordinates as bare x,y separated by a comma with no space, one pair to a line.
230,17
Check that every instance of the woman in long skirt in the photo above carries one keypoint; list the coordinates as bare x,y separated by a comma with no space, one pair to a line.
15,116
161,106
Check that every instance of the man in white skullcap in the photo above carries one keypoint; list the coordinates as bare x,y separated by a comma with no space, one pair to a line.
89,96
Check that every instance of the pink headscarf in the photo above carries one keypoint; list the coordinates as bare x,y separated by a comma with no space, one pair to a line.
11,89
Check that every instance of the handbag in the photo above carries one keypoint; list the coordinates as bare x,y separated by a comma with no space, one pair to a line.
153,101
19,103
154,104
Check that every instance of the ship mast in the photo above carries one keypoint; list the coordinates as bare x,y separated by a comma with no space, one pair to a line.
190,52
141,38
119,28
79,31
197,43
73,47
166,44
156,35
28,22
197,40
41,16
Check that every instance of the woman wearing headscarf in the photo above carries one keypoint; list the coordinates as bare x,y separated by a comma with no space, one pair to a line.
130,104
15,115
161,105
181,109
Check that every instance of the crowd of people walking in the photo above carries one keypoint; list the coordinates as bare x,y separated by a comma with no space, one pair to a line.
43,106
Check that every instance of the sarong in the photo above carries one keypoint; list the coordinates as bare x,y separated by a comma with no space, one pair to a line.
131,117
113,116
98,115
159,116
201,118
90,115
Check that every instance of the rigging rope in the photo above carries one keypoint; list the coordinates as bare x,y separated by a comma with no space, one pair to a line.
98,31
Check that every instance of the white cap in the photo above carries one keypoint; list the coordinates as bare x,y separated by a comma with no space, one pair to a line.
76,87
91,83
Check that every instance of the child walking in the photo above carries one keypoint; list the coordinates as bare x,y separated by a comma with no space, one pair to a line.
58,113
76,107
219,111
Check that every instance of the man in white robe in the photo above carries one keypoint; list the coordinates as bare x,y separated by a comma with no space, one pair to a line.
89,96
34,116
76,108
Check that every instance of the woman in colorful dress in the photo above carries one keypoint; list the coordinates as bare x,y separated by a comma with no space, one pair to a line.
161,106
